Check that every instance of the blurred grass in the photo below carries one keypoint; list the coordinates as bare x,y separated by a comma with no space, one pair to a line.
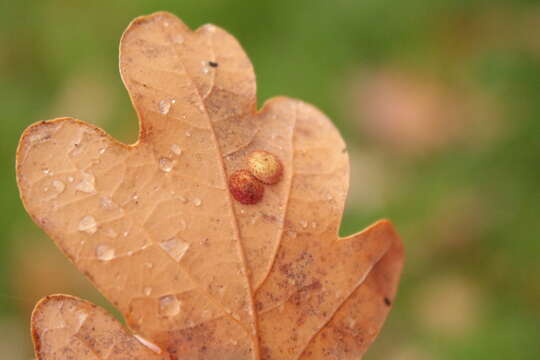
467,209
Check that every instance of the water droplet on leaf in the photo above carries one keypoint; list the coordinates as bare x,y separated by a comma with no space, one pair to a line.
166,164
104,252
164,106
176,149
87,183
169,305
106,202
88,224
59,186
175,248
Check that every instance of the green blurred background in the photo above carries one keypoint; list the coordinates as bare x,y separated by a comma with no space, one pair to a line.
439,102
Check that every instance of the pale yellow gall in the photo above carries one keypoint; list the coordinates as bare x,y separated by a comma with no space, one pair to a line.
245,188
265,166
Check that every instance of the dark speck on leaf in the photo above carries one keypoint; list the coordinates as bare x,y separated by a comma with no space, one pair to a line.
213,64
387,301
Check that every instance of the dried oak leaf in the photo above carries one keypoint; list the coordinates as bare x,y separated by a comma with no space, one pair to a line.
154,226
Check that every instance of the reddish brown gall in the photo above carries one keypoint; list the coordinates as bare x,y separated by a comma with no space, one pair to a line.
245,188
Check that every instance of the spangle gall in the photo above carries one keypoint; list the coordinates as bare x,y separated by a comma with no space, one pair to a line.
245,188
265,166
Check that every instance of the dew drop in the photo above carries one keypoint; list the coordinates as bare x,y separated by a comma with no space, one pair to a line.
102,151
197,202
106,202
104,252
126,233
303,223
175,248
182,199
70,179
148,265
45,171
164,106
147,291
88,224
87,183
176,149
169,305
166,164
59,186
81,318
188,134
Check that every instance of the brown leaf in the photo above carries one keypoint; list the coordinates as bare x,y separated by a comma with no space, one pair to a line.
155,228
64,327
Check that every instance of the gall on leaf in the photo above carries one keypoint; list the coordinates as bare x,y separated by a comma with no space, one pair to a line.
153,225
265,167
245,187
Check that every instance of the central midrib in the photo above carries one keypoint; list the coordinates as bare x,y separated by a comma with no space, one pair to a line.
254,336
